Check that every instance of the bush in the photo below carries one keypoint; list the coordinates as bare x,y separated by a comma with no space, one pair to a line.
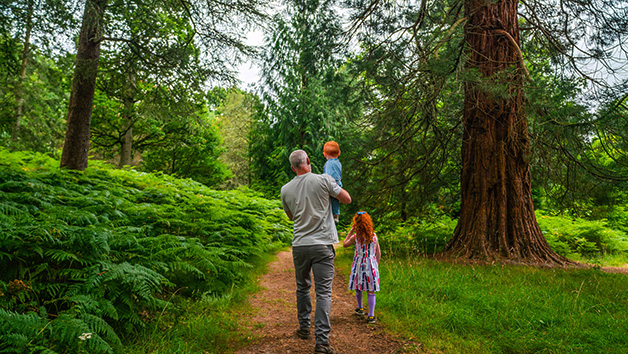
415,236
89,257
571,237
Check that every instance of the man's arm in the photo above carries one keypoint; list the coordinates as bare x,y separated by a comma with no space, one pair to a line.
289,214
344,197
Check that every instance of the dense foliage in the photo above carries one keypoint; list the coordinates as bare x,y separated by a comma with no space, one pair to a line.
591,241
306,91
89,257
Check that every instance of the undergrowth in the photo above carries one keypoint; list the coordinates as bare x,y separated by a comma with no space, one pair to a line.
88,258
588,241
211,324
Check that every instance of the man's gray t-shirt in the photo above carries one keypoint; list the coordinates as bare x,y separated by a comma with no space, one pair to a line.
306,197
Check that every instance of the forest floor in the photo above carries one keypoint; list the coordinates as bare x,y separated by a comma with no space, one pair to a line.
273,319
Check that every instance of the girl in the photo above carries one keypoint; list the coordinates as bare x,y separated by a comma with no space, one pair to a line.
365,268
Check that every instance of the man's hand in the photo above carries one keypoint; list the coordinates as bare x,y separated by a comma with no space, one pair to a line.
343,197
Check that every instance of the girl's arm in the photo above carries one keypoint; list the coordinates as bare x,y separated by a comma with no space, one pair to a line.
378,252
350,239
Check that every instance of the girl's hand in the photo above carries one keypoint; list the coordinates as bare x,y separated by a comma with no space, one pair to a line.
350,239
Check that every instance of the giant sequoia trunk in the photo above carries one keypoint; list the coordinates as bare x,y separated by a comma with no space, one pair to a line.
76,146
497,220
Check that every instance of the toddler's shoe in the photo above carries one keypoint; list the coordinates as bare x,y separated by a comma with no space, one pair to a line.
371,320
359,311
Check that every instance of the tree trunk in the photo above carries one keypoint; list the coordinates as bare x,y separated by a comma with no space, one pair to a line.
76,147
126,148
19,92
403,202
497,220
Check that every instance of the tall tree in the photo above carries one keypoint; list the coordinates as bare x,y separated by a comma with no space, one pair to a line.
218,30
303,89
497,218
19,92
235,117
37,27
404,151
76,146
123,71
187,142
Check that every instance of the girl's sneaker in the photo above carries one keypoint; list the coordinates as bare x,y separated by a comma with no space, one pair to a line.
359,311
371,320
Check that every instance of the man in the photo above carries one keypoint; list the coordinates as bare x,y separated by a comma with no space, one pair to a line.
306,201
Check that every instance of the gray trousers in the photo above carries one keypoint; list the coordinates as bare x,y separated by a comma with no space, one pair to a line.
320,260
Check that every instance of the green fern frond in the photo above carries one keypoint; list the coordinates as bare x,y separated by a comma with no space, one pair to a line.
80,218
13,209
13,342
18,330
61,255
100,326
186,267
100,246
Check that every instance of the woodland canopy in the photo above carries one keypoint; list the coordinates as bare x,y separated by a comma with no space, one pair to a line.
478,111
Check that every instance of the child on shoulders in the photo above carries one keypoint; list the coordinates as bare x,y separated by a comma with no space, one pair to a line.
333,167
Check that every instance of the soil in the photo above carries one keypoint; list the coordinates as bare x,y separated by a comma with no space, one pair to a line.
273,320
623,269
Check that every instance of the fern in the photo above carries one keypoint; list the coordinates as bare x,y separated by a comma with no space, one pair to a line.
12,209
98,251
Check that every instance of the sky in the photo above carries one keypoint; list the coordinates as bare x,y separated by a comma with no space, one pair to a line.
248,72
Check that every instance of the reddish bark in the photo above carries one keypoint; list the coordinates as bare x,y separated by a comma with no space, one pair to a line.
76,147
497,220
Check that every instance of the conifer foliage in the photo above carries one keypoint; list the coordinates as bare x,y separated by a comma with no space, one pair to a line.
88,258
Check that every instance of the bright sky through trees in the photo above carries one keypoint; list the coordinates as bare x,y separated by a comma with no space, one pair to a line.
248,71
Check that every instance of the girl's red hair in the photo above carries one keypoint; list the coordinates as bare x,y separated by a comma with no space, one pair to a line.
363,227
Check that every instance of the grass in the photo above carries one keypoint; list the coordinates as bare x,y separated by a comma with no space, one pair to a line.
453,308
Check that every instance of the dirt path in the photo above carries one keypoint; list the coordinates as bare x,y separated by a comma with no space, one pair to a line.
274,318
623,269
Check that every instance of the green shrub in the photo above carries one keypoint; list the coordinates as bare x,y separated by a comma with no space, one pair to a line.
96,253
570,237
415,236
573,237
